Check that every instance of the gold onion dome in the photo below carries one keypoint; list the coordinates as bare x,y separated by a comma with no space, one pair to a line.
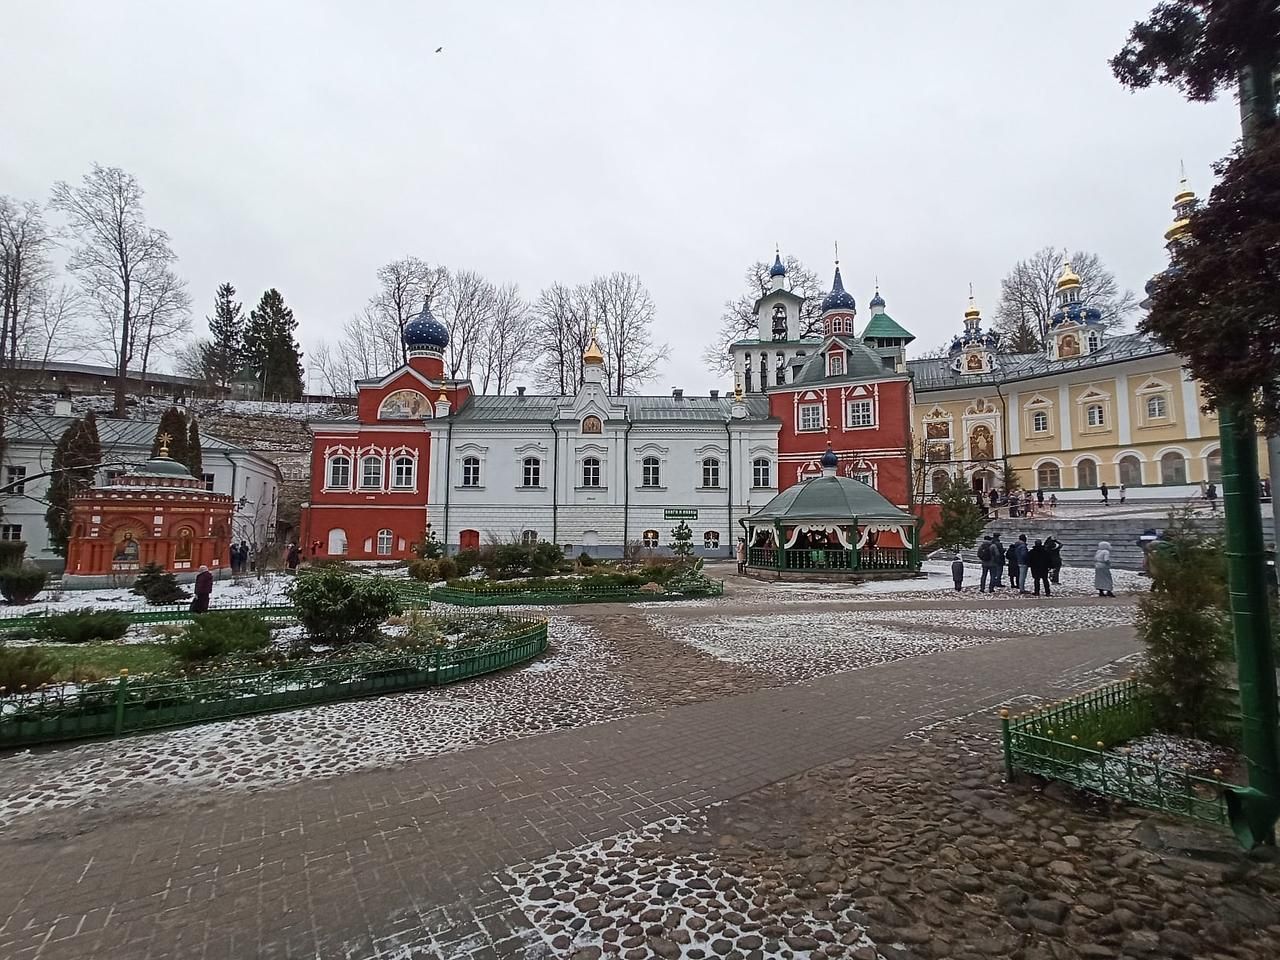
1185,194
972,313
592,353
1068,278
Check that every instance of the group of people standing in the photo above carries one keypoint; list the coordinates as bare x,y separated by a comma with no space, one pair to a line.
1042,560
1025,504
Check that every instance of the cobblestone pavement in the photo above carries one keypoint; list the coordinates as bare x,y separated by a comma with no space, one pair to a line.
408,854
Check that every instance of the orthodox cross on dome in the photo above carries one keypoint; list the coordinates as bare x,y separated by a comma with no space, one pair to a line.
164,440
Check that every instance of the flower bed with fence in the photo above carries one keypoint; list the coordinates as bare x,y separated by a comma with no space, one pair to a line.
129,705
1080,742
503,593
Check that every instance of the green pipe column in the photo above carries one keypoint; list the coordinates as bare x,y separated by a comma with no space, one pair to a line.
1253,811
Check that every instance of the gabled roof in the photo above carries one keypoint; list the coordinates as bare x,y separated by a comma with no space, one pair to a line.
114,434
885,327
755,307
861,362
545,409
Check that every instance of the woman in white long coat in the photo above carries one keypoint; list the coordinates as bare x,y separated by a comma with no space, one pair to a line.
1102,570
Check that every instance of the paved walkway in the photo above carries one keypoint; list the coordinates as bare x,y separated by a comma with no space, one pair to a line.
402,862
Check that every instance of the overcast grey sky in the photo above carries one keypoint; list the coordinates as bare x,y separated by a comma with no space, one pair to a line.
302,144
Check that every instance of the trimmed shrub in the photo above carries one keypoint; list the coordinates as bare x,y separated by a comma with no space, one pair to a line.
21,584
25,667
545,557
156,585
85,625
446,569
338,608
426,570
221,634
691,582
586,560
467,560
12,552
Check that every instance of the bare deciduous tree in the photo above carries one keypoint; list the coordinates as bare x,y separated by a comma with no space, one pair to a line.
623,313
562,325
738,322
467,310
25,271
1028,295
114,250
405,285
508,342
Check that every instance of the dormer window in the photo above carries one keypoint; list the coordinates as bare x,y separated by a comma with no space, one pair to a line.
835,365
1095,341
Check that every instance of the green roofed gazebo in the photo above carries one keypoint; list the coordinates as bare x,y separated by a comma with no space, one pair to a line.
831,527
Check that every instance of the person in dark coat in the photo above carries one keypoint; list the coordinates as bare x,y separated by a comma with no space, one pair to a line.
204,589
957,571
235,558
1106,494
1211,494
293,557
1038,561
1054,550
997,561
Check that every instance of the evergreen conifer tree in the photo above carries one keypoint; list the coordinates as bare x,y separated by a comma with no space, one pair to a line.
960,523
222,355
271,350
173,425
76,457
682,541
195,457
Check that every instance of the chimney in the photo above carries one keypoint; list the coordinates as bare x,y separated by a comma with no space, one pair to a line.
519,391
62,407
715,394
677,393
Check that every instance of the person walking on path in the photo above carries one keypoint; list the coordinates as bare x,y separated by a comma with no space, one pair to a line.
204,589
997,561
742,555
1053,550
1211,494
1040,498
957,571
1106,494
986,557
1024,559
1123,492
995,502
1102,570
292,558
1038,561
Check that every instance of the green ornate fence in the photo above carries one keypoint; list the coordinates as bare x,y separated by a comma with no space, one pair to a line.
128,705
24,619
1072,742
497,596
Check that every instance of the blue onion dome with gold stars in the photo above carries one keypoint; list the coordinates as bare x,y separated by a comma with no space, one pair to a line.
778,269
829,459
877,300
839,298
1071,307
974,337
425,332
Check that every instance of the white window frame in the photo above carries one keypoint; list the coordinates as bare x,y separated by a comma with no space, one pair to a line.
404,473
531,469
835,364
810,412
710,473
860,413
385,542
1101,419
368,481
761,468
471,472
649,539
1161,401
651,473
330,472
711,540
17,475
10,531
591,481
1036,417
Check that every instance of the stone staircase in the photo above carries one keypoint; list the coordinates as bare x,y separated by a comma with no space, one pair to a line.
1079,537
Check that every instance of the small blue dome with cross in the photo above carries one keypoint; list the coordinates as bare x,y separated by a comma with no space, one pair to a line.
829,459
839,298
778,269
425,332
877,300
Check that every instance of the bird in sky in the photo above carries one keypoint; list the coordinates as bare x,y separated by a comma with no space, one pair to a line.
439,49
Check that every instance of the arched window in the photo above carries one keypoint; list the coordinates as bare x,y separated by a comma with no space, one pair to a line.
1086,474
711,540
591,472
764,372
337,546
532,472
339,472
183,549
939,480
1157,407
650,472
529,537
650,538
1095,415
371,473
836,364
1094,341
385,539
780,369
471,471
1048,476
402,473
746,376
710,473
592,425
1130,471
760,472
1040,422
1173,468
1213,467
